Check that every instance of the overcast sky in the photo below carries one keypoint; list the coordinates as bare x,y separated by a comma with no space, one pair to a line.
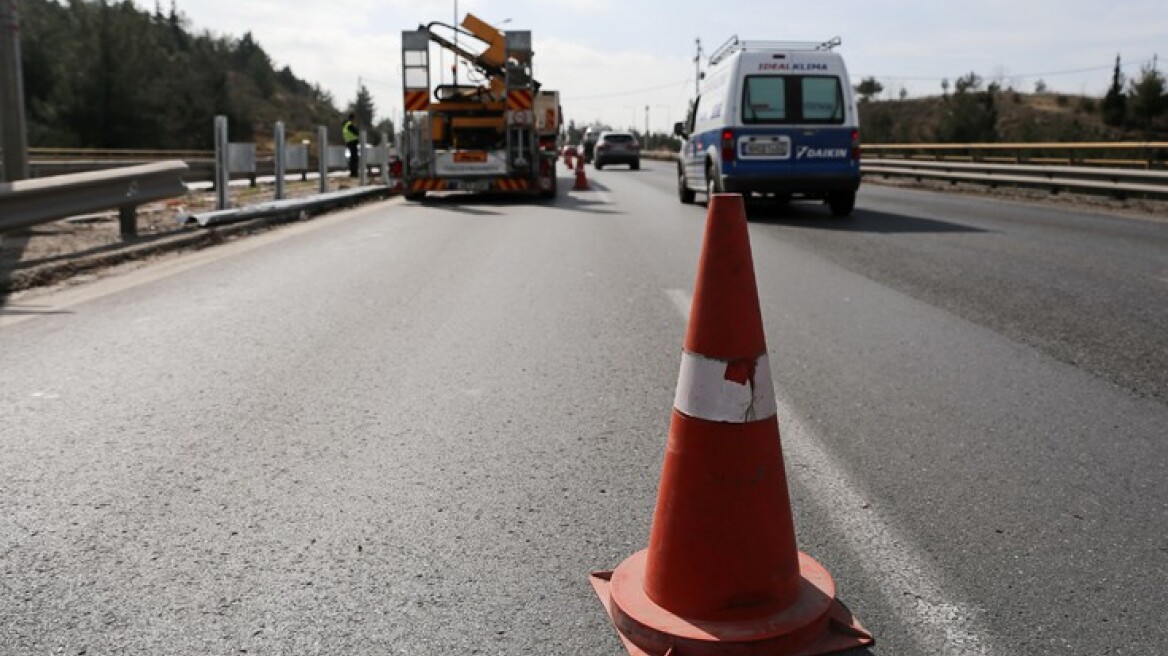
611,59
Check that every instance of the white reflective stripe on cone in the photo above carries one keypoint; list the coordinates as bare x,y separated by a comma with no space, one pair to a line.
704,391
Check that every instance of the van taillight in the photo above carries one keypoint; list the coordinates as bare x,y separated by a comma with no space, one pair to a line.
727,145
856,145
395,169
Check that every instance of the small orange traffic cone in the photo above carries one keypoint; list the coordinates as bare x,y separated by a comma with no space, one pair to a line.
722,574
581,181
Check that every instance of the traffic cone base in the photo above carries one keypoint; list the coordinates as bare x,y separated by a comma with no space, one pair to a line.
814,623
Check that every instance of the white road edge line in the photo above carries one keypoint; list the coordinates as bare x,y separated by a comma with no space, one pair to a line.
909,582
50,301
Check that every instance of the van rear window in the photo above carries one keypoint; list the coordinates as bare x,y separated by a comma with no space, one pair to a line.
792,99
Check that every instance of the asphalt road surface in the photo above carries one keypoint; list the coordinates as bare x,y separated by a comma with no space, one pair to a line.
415,429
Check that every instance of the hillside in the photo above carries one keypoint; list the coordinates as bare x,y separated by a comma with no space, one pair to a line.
100,74
1004,116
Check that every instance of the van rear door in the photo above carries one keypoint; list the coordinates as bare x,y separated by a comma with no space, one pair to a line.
792,126
822,144
764,142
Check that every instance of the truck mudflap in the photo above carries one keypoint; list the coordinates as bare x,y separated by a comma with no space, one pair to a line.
512,184
427,184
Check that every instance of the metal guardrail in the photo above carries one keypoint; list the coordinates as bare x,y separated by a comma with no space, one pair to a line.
1110,180
45,162
1145,154
286,207
1150,179
26,203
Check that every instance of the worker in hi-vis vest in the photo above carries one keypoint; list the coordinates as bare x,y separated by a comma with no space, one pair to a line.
352,137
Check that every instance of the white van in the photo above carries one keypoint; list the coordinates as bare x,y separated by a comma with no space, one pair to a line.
773,118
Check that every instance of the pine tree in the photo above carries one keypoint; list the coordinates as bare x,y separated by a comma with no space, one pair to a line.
363,107
1114,107
1148,100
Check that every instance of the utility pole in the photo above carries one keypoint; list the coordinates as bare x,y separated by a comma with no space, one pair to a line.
13,137
646,124
698,69
454,68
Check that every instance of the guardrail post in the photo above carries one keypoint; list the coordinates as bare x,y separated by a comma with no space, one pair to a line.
222,174
128,222
322,163
362,160
280,155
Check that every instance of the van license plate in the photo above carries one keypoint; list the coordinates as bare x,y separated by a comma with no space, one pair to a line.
770,148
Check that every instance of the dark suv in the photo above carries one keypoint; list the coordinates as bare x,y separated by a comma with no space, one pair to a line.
617,148
589,142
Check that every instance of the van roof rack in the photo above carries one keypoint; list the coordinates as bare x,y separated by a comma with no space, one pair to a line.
734,44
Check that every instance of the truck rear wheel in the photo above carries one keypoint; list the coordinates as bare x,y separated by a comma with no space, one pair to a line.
550,193
415,195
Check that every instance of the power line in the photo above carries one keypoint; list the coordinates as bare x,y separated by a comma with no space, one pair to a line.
618,94
1074,71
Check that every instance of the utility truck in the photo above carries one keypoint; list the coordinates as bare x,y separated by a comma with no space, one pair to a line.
495,132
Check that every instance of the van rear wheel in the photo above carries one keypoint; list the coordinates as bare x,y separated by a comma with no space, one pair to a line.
841,203
684,193
713,184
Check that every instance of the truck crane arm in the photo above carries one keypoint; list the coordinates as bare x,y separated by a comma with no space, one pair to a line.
491,62
480,61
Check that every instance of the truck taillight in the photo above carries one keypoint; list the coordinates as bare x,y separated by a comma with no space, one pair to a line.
395,169
727,145
856,145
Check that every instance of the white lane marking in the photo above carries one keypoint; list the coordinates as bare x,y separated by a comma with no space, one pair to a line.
707,389
910,583
681,300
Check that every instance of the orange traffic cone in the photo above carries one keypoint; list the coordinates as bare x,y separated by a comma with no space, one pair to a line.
581,181
722,574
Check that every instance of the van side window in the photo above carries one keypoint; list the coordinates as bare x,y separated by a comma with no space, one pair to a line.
792,99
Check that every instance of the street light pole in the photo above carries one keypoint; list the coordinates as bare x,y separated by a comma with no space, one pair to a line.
13,136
